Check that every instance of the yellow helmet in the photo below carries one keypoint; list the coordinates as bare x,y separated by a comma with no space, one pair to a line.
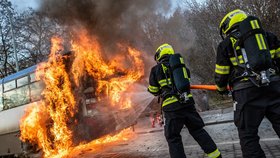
231,20
163,50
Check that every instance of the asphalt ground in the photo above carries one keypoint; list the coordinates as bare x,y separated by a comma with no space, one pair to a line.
150,142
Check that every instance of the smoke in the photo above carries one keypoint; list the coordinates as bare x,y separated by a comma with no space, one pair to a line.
140,23
111,21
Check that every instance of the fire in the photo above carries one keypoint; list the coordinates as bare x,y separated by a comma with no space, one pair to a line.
88,49
95,145
50,123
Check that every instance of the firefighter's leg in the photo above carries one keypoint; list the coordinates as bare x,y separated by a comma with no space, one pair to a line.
249,120
195,126
172,129
273,111
273,115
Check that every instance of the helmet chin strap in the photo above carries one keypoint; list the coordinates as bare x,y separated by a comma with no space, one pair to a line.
156,56
158,61
221,34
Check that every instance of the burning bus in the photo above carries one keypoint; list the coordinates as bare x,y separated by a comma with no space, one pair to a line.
70,99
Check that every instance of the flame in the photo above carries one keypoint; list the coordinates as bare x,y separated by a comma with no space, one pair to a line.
50,122
96,145
89,49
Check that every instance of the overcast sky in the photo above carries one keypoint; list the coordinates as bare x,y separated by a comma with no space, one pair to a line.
24,4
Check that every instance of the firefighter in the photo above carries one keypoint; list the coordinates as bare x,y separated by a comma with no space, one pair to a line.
177,113
255,96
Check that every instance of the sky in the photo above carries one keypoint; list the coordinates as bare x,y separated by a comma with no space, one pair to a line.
24,4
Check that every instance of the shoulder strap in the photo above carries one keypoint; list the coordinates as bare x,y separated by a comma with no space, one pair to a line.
167,73
166,70
235,43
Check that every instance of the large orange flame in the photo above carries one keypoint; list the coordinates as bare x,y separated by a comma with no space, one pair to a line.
49,123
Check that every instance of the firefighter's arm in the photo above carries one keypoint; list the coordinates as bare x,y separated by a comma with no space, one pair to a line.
154,87
277,57
274,47
222,70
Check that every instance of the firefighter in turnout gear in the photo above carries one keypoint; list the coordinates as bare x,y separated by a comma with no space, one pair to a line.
248,60
179,110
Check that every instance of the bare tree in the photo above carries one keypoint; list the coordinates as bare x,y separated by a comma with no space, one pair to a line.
36,31
7,62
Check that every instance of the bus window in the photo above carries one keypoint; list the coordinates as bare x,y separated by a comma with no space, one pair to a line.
16,97
36,89
9,85
22,81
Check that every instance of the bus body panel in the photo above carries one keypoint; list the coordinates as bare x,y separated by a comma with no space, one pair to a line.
10,119
9,130
10,144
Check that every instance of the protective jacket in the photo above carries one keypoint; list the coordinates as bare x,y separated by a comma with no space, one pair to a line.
160,84
227,69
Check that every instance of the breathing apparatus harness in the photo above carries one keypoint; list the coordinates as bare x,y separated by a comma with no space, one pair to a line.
258,79
182,97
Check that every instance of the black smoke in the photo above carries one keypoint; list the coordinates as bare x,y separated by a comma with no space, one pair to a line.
112,21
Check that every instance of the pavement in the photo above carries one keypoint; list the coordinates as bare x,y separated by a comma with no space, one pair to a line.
150,142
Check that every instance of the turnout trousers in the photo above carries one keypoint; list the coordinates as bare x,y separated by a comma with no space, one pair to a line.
250,107
174,122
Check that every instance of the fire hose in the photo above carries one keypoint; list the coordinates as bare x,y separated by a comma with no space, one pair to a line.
205,87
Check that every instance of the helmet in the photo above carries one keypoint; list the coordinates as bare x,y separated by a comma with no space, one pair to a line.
231,20
162,51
